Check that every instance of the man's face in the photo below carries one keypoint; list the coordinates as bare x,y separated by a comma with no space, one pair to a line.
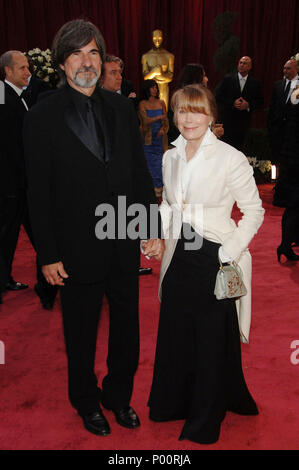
157,38
244,65
18,74
112,76
290,69
83,67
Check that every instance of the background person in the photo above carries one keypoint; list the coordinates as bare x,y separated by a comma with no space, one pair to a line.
283,126
238,96
154,127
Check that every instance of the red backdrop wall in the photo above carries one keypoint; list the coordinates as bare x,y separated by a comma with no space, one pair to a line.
268,30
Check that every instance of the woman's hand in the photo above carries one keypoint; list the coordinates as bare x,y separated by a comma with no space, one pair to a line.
154,248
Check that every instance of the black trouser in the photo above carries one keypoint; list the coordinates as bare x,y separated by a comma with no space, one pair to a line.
11,210
289,227
13,214
81,306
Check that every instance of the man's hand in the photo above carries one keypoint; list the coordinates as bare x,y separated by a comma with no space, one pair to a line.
54,273
241,104
132,94
154,248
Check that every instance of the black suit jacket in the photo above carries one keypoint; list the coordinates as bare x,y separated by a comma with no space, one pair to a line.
67,182
227,92
127,87
278,115
35,88
12,166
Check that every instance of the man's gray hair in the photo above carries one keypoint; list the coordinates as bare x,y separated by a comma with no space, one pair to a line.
113,58
73,36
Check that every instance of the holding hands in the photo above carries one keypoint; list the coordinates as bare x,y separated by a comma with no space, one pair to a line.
153,248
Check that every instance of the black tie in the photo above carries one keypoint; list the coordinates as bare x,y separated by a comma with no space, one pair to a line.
286,91
95,130
91,122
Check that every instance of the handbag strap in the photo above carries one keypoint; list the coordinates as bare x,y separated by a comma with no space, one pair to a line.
232,263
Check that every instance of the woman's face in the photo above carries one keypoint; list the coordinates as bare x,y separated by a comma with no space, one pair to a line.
192,125
153,91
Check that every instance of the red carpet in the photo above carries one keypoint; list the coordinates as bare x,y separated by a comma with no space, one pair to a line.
34,408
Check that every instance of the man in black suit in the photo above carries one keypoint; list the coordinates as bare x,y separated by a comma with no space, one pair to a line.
113,80
280,107
13,203
35,88
14,66
237,97
283,130
91,157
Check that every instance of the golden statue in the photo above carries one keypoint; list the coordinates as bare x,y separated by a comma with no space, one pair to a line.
158,65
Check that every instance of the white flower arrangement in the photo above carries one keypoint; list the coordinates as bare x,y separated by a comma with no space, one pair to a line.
263,165
43,66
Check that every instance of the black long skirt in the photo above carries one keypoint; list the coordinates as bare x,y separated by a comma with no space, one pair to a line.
198,371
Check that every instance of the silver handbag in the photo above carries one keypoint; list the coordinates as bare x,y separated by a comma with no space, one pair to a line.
229,282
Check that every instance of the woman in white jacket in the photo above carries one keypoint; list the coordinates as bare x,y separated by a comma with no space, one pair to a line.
198,373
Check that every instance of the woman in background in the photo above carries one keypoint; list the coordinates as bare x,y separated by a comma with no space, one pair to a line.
154,128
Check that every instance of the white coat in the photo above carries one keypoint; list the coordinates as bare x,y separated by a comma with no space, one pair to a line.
223,176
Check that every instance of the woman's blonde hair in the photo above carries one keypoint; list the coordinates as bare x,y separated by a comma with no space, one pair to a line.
194,99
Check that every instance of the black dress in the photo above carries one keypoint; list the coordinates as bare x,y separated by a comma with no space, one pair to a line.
198,373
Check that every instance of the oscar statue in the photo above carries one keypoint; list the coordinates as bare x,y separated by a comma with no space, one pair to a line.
158,65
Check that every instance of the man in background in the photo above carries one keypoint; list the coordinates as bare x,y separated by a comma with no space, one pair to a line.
280,107
13,200
113,79
237,96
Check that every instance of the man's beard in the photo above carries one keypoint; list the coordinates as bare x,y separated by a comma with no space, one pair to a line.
85,82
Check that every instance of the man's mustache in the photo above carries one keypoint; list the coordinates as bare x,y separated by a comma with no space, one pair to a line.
86,69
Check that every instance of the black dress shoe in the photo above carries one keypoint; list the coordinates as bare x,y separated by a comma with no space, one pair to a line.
46,301
126,417
13,285
96,423
143,271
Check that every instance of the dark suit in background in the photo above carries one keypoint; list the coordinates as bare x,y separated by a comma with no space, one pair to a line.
127,87
12,174
35,88
66,184
236,123
13,202
283,130
278,115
